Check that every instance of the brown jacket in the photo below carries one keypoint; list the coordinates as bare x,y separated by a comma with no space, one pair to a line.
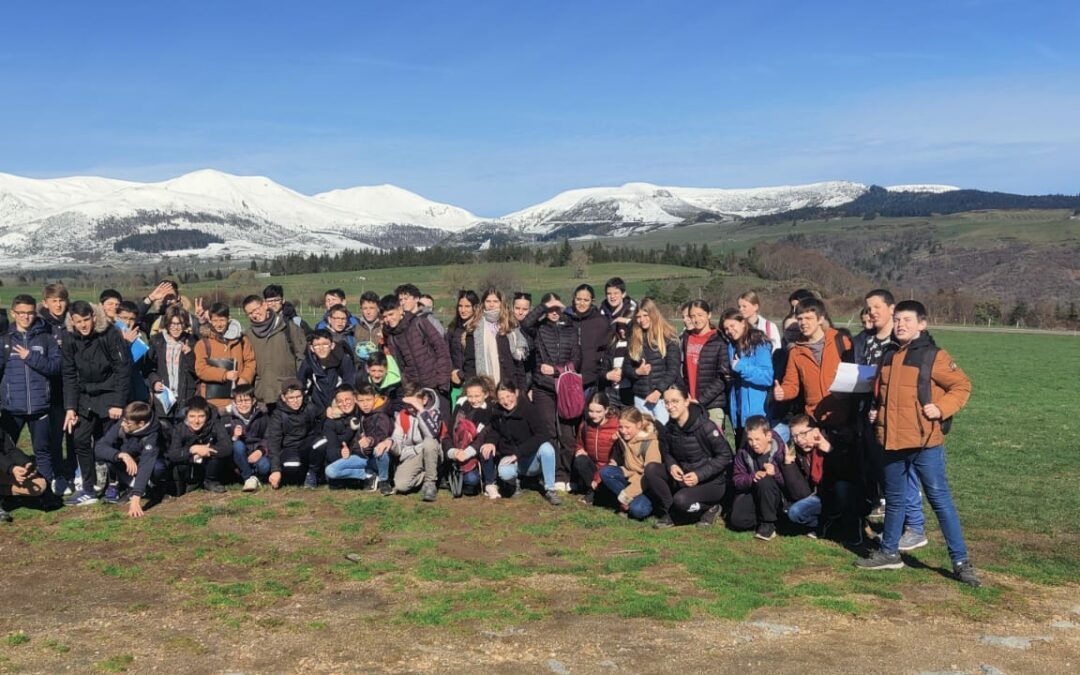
900,423
237,348
804,375
628,457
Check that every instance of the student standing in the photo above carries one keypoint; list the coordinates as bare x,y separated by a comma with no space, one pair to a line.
706,362
653,360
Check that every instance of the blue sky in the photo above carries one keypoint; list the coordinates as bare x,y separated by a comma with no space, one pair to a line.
497,105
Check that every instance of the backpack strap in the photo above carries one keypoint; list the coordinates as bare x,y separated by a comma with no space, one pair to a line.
925,388
645,445
847,354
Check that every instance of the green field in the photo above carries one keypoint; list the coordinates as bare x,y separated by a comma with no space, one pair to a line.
273,563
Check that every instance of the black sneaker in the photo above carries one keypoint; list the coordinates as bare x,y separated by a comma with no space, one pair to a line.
663,522
552,497
5,517
431,492
879,560
964,572
588,498
386,488
765,532
709,517
213,486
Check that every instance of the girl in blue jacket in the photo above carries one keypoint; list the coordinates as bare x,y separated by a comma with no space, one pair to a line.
751,370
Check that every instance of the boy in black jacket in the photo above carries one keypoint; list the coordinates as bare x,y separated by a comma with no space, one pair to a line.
248,424
131,449
376,427
294,439
345,464
201,446
96,368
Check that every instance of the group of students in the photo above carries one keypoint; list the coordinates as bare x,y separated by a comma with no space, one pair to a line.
609,401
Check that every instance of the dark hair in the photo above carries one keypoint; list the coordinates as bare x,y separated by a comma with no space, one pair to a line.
336,292
56,290
175,312
699,304
507,385
125,306
344,389
756,422
585,287
751,337
474,300
24,299
885,296
522,295
681,388
800,294
254,298
171,282
197,403
110,293
482,381
548,297
369,296
219,309
427,296
138,412
243,389
912,306
81,308
291,385
812,305
365,390
273,291
320,334
407,289
377,358
412,389
388,303
338,308
615,282
601,399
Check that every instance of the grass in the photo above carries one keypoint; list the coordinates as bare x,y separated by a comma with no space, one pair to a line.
115,664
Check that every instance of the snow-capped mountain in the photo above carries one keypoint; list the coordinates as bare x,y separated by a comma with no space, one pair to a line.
396,205
83,218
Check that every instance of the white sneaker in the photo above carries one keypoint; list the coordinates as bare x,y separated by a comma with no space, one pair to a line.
492,491
251,484
562,487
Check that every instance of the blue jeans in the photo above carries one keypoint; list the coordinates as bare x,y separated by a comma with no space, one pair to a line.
929,466
658,410
260,468
357,467
913,513
543,460
808,511
615,480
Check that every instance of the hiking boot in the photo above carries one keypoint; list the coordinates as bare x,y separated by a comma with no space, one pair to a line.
251,484
552,497
431,492
880,560
709,517
911,540
964,572
765,532
82,498
5,517
112,494
213,486
386,488
663,522
311,480
492,491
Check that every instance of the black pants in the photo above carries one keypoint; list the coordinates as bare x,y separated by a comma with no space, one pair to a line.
89,428
582,471
562,432
668,496
213,468
762,504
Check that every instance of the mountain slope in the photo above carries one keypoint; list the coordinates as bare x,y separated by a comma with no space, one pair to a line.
391,204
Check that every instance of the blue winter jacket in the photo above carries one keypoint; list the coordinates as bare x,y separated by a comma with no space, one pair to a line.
751,379
25,388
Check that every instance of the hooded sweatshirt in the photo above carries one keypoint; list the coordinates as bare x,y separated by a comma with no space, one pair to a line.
143,445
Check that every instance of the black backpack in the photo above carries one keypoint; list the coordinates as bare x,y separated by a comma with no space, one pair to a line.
926,358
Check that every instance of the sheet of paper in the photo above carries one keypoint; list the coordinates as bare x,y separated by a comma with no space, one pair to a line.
852,378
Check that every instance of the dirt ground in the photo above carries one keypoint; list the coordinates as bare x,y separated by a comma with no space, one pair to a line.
75,619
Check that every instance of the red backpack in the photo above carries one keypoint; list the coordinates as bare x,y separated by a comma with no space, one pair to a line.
465,431
569,393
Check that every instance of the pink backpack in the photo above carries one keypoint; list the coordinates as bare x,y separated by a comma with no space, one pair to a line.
569,393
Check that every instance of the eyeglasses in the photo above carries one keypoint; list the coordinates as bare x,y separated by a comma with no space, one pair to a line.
321,345
17,313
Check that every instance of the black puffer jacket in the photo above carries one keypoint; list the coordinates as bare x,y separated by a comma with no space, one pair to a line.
698,446
143,445
96,368
713,372
420,351
594,335
556,345
665,369
289,431
340,429
214,433
519,432
456,348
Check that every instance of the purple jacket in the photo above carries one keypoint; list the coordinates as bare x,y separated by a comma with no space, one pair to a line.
748,462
